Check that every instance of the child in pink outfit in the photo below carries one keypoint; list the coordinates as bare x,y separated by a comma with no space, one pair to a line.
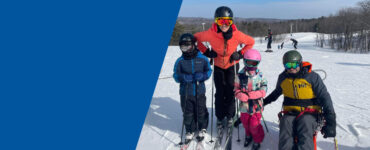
250,88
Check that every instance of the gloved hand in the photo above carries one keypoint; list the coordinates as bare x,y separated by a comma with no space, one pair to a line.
241,96
257,94
200,76
236,56
329,129
187,78
210,53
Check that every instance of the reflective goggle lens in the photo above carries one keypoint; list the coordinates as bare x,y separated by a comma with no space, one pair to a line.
224,21
250,63
187,43
293,65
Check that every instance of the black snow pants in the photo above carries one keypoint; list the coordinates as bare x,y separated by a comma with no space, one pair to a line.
269,44
189,106
224,82
295,45
303,128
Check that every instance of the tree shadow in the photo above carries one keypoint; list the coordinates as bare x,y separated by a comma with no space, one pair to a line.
270,141
330,145
165,113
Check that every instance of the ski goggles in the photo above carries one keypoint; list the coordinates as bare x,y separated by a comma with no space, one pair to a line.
290,65
224,21
251,63
185,43
186,48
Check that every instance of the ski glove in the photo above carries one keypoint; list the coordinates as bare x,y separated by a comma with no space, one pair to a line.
241,96
210,53
257,94
187,78
200,76
329,129
236,56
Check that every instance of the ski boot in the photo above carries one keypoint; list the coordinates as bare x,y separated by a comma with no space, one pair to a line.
230,122
188,137
256,146
248,140
220,126
237,123
201,134
220,133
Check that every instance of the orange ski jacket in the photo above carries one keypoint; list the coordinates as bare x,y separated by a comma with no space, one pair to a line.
223,48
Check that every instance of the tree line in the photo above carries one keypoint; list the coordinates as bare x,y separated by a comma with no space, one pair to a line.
347,30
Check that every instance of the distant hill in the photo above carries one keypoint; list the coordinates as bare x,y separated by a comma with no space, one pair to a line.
197,20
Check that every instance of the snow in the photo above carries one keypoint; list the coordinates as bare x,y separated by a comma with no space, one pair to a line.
347,83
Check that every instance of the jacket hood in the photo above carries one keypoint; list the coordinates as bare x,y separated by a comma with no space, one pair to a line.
307,65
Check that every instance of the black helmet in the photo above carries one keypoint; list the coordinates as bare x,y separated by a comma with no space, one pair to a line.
187,39
187,43
223,11
292,56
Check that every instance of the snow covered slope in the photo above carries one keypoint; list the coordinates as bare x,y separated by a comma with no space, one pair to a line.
347,81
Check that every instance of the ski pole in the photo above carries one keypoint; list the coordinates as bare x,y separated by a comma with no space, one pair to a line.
197,105
238,135
184,109
237,104
213,76
263,119
335,143
182,131
213,69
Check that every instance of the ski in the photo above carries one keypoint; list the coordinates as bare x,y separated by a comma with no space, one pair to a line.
220,135
200,145
269,51
229,137
186,145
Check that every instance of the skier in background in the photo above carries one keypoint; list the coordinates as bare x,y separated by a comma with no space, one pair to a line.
282,45
295,43
306,100
269,40
191,70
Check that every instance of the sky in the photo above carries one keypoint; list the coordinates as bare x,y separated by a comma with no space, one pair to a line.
279,9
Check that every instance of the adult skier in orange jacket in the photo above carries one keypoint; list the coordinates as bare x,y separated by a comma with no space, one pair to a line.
224,38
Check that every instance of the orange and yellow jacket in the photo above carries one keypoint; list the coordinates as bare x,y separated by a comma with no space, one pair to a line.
223,48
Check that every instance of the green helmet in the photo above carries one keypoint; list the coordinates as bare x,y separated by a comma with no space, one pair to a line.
292,56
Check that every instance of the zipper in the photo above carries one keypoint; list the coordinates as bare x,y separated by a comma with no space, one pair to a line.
297,92
294,89
192,72
225,48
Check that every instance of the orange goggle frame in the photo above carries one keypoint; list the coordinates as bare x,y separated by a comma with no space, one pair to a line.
224,21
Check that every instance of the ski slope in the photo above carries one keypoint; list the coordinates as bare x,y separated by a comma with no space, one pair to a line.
347,82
